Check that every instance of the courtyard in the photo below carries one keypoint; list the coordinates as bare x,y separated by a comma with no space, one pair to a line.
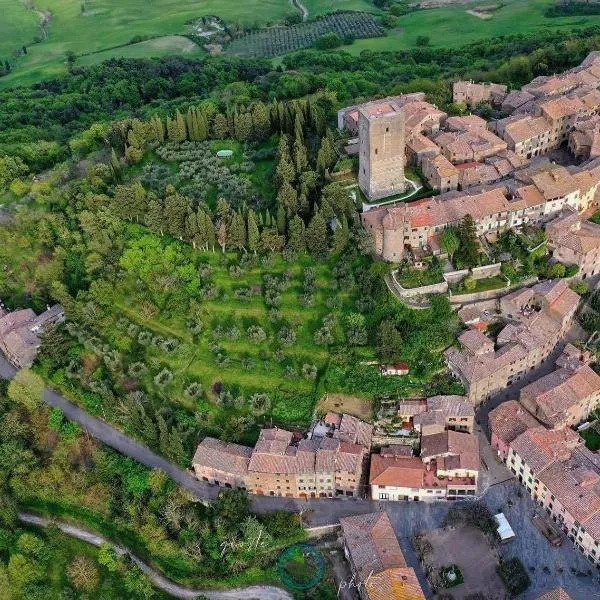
471,551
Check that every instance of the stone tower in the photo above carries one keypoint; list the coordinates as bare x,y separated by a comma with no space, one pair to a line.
381,152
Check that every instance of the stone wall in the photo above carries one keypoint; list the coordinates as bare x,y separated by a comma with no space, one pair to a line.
486,271
455,276
436,288
489,294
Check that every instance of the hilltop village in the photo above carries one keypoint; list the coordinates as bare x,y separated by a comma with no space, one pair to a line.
497,172
503,174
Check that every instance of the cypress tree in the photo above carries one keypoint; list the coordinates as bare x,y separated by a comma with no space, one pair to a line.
287,197
281,219
154,218
180,127
296,241
253,232
316,236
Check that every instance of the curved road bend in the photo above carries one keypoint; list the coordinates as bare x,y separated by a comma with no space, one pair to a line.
316,512
262,592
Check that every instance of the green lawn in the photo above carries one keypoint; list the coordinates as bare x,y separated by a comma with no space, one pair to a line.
595,218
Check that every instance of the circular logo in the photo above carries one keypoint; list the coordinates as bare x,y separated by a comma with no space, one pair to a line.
301,567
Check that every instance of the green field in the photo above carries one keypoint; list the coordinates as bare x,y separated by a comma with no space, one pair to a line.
453,26
96,30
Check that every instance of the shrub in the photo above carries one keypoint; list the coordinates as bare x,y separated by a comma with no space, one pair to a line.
163,378
193,390
260,404
514,575
256,334
328,41
309,371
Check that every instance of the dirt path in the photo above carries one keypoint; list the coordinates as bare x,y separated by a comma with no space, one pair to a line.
266,592
301,8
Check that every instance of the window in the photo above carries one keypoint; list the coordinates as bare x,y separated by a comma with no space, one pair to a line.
384,496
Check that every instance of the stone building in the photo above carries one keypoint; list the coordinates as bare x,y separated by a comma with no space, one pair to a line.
376,560
381,153
540,315
473,94
564,397
330,463
441,174
507,422
563,477
400,226
575,242
21,331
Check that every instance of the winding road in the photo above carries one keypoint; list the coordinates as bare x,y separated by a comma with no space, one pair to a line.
316,512
258,592
297,4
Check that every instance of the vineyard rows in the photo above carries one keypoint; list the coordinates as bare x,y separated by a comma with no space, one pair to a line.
280,40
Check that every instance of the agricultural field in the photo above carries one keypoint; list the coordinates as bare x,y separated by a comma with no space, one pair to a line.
281,40
455,26
96,30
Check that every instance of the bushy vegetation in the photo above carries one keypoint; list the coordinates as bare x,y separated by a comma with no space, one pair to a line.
514,575
344,25
567,9
53,468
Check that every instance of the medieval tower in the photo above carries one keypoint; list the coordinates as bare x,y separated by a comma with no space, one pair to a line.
381,150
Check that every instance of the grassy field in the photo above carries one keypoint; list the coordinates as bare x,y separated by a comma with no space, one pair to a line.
453,26
97,30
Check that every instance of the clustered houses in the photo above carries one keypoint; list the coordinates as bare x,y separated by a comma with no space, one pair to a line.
540,317
584,139
21,330
575,241
548,457
327,464
379,569
394,228
437,414
555,594
564,397
472,94
448,465
503,181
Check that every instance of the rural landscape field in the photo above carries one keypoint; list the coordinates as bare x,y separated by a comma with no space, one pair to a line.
37,38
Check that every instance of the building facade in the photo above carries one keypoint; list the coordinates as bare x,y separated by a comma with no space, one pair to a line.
381,151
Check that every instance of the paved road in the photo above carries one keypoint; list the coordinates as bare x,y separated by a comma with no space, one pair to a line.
256,592
316,512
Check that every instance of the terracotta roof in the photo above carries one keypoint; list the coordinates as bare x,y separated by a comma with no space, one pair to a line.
555,594
222,456
452,406
395,584
476,342
396,470
464,445
526,128
372,544
562,107
465,123
539,447
509,420
560,390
